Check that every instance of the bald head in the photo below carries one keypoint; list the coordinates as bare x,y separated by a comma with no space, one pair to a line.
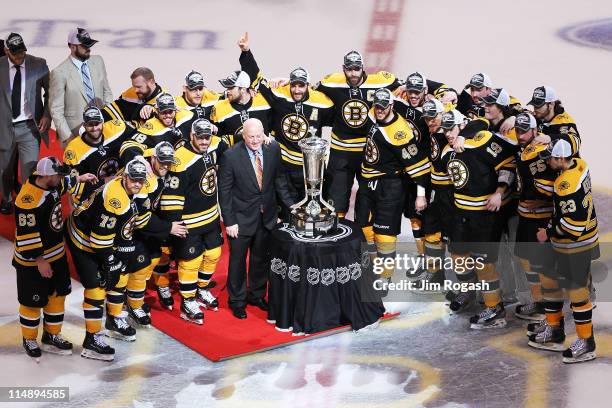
253,133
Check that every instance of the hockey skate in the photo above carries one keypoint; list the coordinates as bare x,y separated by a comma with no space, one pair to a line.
580,351
138,316
550,338
119,328
489,318
55,344
207,300
190,311
530,311
32,349
462,301
165,297
95,347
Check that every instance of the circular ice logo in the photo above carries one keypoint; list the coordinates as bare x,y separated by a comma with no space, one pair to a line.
596,34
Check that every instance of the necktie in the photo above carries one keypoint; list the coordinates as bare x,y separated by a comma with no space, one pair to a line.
16,92
87,83
258,169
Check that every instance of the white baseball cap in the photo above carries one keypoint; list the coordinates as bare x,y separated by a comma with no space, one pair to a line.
237,78
50,166
541,95
557,149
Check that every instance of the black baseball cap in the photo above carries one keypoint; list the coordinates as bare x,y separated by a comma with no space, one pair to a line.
525,121
382,98
14,43
202,128
353,59
542,95
194,79
136,170
451,118
299,75
92,114
165,102
164,151
416,82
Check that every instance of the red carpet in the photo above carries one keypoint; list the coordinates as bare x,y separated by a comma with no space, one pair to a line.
222,336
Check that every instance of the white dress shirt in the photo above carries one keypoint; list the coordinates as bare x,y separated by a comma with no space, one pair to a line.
26,112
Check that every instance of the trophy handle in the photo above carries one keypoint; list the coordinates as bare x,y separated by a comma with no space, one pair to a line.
325,203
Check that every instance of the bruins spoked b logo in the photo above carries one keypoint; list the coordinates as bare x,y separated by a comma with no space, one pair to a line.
371,151
128,228
56,220
207,182
295,127
355,112
435,149
458,172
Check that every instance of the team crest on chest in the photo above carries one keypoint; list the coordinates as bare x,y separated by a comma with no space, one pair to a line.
294,126
208,185
458,172
355,112
56,221
371,151
128,228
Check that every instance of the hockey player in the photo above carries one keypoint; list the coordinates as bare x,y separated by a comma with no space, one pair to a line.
481,176
573,232
417,88
552,117
191,197
196,97
438,217
43,279
95,228
351,91
150,231
535,184
96,151
470,100
135,105
167,125
241,102
391,150
296,112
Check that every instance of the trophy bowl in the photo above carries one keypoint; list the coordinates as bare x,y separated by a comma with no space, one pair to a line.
313,216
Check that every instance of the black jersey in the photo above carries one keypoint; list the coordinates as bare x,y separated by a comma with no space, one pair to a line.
351,105
39,222
191,191
535,181
101,160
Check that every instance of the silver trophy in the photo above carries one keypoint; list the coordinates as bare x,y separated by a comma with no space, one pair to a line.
313,216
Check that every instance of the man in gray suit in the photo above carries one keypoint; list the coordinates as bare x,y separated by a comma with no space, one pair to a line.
24,114
76,83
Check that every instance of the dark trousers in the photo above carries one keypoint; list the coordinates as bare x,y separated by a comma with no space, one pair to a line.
259,267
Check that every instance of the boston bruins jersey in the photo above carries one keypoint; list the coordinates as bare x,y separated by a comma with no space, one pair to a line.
351,105
103,220
414,118
574,225
153,131
102,159
391,149
127,107
147,200
439,153
535,181
562,125
203,110
191,191
292,120
39,222
474,172
229,117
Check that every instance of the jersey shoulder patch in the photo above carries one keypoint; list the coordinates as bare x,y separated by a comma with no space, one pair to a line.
29,196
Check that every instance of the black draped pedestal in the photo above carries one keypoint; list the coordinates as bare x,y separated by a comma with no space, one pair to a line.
320,284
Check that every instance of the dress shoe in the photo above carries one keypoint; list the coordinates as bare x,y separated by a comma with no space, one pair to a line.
260,303
239,313
6,207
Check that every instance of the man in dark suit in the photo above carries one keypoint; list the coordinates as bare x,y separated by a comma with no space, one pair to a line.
24,114
250,177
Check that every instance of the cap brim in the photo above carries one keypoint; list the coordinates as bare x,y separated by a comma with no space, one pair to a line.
413,88
533,103
476,86
171,161
192,87
429,115
89,44
17,49
227,84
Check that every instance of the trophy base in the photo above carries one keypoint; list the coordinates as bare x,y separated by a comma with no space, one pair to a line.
324,223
